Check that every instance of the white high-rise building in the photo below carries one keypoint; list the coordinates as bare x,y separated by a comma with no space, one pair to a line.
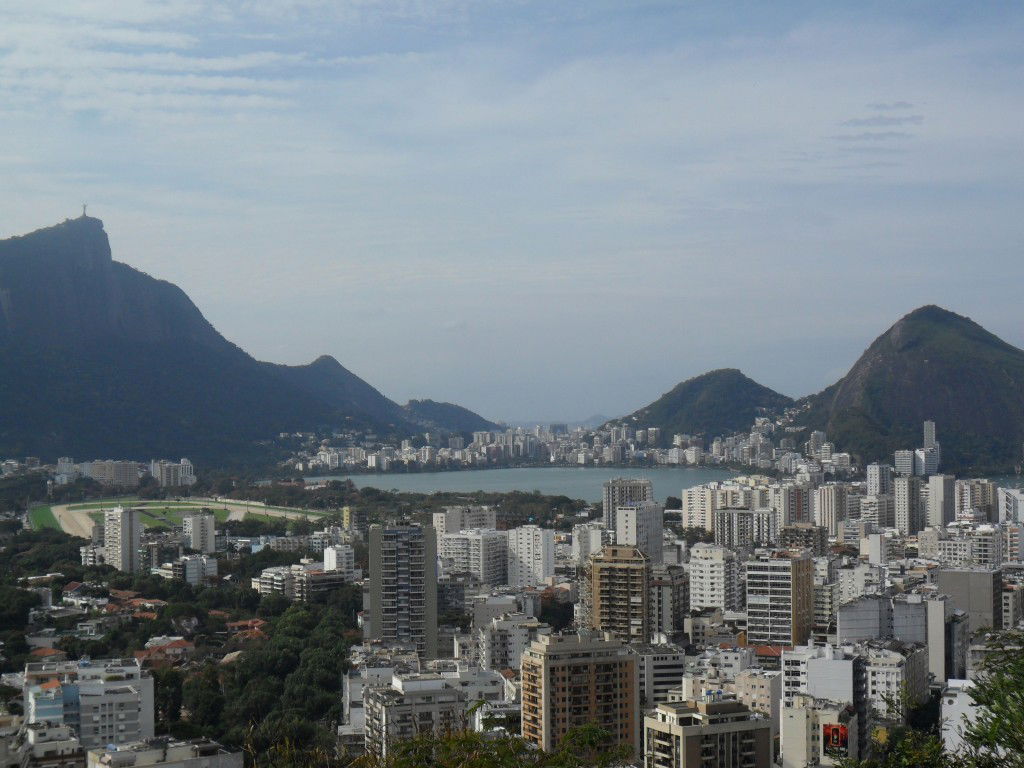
926,462
699,505
830,506
121,534
714,578
1011,505
455,519
501,642
624,491
879,479
903,462
976,499
531,555
641,526
200,532
480,551
106,701
587,539
878,509
341,557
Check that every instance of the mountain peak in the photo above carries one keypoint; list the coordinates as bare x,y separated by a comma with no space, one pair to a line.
326,361
937,328
80,242
720,402
931,364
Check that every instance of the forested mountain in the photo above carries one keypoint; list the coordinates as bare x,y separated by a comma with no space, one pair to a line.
932,364
719,402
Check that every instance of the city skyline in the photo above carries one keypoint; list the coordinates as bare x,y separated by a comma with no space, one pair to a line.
463,202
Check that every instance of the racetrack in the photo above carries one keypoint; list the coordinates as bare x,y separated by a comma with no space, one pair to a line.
75,519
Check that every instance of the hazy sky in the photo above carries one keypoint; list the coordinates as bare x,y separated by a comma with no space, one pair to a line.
537,210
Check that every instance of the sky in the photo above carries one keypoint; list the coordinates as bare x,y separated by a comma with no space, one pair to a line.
538,210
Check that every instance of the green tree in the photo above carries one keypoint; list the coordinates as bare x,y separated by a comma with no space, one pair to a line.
996,736
203,698
585,747
167,695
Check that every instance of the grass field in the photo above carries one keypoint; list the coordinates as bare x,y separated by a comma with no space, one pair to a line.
43,517
103,504
169,515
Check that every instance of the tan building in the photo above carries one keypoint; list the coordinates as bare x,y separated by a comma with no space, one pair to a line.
620,588
780,597
706,734
579,679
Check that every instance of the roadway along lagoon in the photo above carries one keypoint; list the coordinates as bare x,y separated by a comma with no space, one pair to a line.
574,482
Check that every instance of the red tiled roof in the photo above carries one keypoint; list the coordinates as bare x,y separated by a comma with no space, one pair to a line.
251,634
771,650
49,685
46,652
247,624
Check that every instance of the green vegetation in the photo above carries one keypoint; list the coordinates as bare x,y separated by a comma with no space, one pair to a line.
105,503
14,607
932,364
43,517
719,402
995,739
585,747
450,416
285,690
997,736
514,508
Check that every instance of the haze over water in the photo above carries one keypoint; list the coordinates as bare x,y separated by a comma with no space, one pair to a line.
574,482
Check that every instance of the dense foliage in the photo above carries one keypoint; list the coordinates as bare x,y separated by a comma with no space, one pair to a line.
585,747
937,365
453,417
720,402
285,689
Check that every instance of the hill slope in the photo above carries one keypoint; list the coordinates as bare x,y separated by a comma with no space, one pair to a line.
100,360
719,402
932,364
447,416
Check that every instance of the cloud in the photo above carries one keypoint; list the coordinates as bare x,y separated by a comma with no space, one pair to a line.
377,173
872,136
882,121
884,106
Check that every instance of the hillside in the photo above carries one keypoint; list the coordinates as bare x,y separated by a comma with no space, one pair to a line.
99,360
932,364
719,402
454,417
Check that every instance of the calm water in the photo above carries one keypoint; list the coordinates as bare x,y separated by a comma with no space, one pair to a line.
574,482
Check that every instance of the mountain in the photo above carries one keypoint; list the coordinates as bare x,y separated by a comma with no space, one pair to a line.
447,416
932,364
99,360
331,382
720,402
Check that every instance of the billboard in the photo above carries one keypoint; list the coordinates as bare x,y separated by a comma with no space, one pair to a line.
835,740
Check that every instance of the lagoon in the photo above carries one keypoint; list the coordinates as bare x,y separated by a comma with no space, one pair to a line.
574,482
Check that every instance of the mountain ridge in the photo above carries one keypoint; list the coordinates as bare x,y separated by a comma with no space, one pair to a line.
931,364
722,401
103,360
